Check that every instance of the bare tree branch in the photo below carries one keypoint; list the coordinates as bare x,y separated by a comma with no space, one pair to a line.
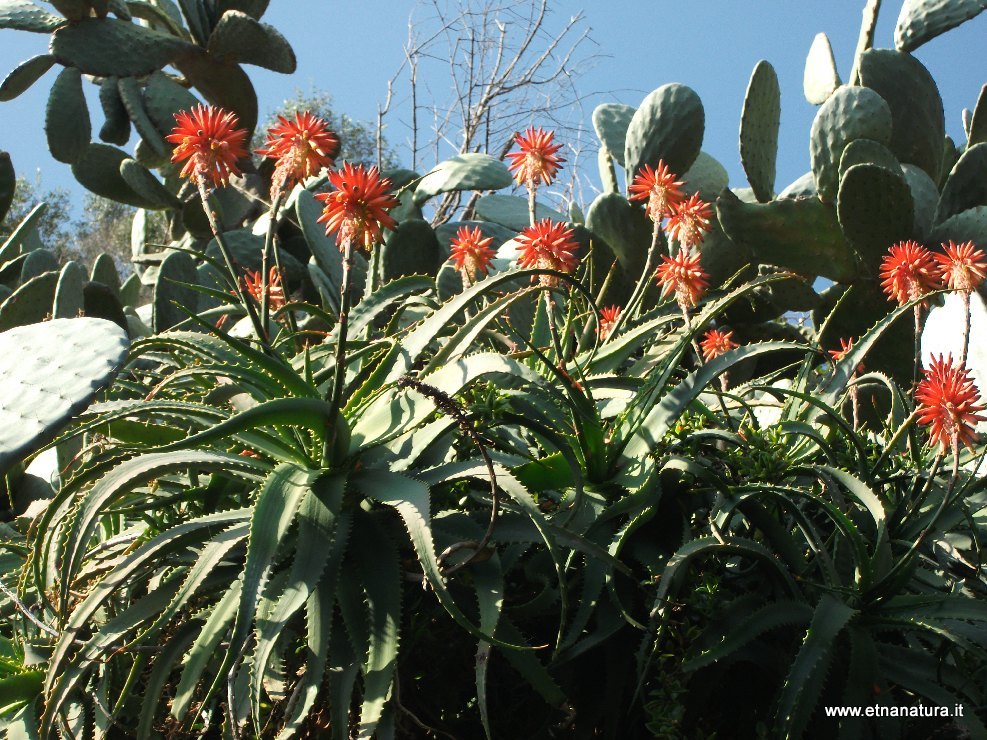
507,66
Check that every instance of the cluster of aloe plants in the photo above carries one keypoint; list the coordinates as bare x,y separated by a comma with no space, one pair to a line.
335,483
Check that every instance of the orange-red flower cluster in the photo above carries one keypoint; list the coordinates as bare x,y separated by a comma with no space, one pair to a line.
471,252
659,188
538,160
302,148
609,317
253,283
949,404
845,346
548,245
684,276
717,342
689,222
962,266
357,210
210,142
909,270
688,218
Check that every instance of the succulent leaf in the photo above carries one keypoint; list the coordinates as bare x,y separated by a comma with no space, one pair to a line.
512,212
108,47
669,126
98,170
52,371
850,113
471,171
67,117
169,294
24,75
20,15
875,210
759,123
922,20
916,107
243,39
801,235
116,123
610,120
820,78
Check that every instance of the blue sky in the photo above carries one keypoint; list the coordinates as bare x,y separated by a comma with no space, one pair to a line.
352,48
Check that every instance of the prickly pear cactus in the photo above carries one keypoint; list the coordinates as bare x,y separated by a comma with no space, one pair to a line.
51,371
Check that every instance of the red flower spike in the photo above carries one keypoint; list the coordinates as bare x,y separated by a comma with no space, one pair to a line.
609,317
683,275
538,161
908,272
210,142
716,342
963,267
302,147
845,346
357,210
254,285
689,222
949,403
548,245
659,188
471,252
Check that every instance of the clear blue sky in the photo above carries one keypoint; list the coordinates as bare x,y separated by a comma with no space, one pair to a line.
352,48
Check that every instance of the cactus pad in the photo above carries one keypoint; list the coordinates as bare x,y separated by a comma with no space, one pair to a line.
30,303
52,371
175,269
966,185
611,121
464,172
624,227
820,78
108,47
241,38
116,123
706,176
800,235
875,210
411,249
25,75
850,113
668,126
8,184
512,212
20,15
98,170
923,20
865,151
916,107
759,122
67,117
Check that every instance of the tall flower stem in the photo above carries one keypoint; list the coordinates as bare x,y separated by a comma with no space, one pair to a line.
532,202
339,375
965,294
637,297
917,310
224,249
270,249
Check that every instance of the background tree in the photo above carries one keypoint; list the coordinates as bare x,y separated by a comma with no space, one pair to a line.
54,227
359,142
511,65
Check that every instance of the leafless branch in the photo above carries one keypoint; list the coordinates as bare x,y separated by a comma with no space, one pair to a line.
507,65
